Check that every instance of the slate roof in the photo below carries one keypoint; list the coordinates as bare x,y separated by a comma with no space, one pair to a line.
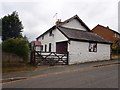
80,35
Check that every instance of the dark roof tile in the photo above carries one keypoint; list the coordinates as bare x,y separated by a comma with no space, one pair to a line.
76,34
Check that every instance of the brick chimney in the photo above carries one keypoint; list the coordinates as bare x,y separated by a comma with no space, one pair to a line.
58,21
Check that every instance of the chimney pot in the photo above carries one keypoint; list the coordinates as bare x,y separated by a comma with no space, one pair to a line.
58,21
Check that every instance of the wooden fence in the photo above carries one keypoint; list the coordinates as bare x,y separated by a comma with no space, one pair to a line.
50,58
10,57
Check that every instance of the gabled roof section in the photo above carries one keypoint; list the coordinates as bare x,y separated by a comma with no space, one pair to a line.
47,31
80,35
103,27
74,17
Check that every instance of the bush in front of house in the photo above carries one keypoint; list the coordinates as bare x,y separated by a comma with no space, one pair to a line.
116,50
18,46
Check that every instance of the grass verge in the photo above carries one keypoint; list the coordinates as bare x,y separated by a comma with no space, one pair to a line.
11,67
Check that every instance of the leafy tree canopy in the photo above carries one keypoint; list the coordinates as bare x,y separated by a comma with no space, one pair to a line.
11,26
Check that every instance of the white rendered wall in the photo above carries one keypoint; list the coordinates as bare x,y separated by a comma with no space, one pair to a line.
74,24
58,37
79,52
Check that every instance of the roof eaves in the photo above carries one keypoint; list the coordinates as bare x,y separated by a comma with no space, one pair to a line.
47,31
67,20
76,16
106,28
83,23
58,25
116,32
63,33
74,39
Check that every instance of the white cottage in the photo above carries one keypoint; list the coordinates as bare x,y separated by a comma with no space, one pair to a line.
74,36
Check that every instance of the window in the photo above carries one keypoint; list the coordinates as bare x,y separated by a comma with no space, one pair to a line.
116,35
50,34
49,47
92,47
42,37
45,48
37,48
41,47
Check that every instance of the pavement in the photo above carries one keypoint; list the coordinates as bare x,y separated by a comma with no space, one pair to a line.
53,69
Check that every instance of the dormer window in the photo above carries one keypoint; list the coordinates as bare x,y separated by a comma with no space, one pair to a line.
51,33
42,37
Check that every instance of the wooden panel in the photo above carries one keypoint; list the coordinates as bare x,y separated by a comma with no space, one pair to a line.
61,47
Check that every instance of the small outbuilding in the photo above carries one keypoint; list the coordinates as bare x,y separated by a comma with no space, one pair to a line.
74,37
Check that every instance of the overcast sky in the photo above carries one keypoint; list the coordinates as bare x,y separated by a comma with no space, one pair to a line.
37,16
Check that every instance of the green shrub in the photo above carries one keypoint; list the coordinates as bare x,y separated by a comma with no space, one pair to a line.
9,45
18,46
116,50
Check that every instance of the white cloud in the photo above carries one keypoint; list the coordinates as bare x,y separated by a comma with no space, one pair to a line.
37,16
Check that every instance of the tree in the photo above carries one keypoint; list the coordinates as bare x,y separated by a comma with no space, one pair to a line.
11,26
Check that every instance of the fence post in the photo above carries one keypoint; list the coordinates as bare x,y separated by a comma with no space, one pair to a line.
67,62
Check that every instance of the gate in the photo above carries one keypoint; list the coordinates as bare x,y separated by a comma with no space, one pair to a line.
51,58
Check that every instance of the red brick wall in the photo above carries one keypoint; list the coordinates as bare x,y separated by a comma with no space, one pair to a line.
105,33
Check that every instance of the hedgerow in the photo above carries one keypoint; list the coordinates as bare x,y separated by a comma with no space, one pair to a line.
18,46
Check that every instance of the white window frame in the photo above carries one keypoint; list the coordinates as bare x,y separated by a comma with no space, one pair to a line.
92,47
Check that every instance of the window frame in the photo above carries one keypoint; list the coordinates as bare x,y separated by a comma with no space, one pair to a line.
50,33
92,44
42,37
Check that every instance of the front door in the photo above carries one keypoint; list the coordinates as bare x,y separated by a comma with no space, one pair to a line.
61,47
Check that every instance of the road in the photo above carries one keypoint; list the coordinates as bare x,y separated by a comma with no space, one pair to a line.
90,77
57,68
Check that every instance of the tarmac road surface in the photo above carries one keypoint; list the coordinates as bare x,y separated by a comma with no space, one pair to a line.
90,77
